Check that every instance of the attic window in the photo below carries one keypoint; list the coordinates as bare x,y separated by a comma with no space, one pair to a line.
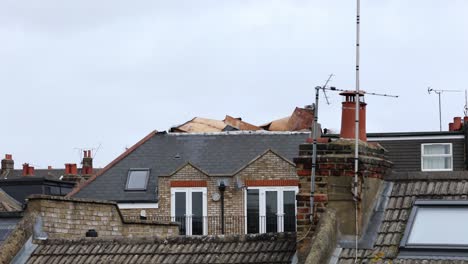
436,157
137,179
436,228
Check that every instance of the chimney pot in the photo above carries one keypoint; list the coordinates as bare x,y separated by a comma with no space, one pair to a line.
451,127
49,167
28,170
8,157
457,125
25,169
73,169
348,116
87,162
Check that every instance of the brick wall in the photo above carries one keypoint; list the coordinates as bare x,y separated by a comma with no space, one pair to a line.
268,166
334,177
72,217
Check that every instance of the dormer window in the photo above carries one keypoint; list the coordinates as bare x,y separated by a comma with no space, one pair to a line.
436,157
137,179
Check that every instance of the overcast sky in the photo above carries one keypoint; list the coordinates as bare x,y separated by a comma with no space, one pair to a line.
83,74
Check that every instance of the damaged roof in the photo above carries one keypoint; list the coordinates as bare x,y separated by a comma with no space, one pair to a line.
300,119
206,125
243,249
215,153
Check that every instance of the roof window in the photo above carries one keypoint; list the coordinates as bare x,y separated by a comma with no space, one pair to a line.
436,157
436,228
137,179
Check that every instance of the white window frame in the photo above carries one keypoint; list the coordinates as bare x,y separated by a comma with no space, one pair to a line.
262,203
436,155
188,206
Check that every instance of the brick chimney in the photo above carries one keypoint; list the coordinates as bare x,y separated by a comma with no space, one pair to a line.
7,164
333,183
348,116
457,124
28,170
87,169
71,173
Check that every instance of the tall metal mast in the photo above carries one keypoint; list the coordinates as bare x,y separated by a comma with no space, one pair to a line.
356,141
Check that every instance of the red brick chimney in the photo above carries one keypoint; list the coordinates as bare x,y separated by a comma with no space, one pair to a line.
348,117
71,172
28,170
7,164
87,169
457,124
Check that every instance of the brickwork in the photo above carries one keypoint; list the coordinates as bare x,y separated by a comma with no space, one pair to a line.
266,167
71,218
335,163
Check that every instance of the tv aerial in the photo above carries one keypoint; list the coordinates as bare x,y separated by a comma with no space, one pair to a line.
439,92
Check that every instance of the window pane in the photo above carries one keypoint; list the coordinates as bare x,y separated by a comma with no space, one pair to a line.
289,211
180,210
432,163
440,226
197,213
437,149
253,211
137,179
271,210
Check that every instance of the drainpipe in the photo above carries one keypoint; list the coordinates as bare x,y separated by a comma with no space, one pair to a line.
222,188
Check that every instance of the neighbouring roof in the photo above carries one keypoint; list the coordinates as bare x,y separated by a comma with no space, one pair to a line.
264,248
8,203
215,153
407,188
51,174
371,136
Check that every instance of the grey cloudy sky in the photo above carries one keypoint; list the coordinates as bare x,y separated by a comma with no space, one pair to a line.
77,74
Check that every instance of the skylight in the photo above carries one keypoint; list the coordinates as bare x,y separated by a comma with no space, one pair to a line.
137,179
436,227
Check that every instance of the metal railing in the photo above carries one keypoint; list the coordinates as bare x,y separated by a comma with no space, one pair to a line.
233,224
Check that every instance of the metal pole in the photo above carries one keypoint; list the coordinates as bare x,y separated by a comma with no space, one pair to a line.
314,152
440,112
356,145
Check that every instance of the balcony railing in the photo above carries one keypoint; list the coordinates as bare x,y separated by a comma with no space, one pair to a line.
233,224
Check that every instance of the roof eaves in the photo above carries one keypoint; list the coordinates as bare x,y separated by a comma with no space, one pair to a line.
78,188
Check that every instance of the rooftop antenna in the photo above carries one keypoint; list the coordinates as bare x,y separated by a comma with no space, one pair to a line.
314,131
324,87
439,92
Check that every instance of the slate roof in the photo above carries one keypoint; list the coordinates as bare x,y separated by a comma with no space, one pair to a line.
265,248
8,203
215,153
406,189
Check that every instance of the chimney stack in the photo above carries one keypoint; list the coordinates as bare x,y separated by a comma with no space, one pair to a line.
71,173
7,164
348,116
457,124
87,169
28,170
